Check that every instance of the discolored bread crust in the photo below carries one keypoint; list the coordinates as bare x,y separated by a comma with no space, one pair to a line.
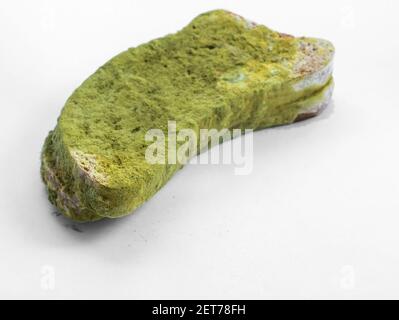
221,71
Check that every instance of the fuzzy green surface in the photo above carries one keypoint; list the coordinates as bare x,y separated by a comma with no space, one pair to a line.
218,72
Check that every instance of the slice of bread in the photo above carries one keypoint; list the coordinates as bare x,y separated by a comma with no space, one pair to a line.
220,71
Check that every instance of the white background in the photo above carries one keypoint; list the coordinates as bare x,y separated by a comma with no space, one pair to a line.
317,218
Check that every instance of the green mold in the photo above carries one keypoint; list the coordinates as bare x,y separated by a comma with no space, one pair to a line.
220,71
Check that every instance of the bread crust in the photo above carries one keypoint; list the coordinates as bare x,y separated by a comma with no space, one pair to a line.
83,193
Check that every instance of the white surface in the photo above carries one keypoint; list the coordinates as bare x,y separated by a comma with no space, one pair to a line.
318,218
